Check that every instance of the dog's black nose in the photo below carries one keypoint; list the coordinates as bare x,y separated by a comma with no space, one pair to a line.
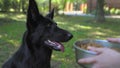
69,36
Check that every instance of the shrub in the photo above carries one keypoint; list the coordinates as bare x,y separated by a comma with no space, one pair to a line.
112,11
117,11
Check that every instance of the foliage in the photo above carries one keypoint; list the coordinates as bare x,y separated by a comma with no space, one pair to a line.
58,3
117,11
112,11
43,5
83,1
1,5
106,10
15,5
5,5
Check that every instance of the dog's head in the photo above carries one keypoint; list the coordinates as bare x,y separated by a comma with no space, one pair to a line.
43,31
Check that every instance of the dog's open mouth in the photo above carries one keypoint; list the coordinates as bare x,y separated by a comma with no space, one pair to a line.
55,45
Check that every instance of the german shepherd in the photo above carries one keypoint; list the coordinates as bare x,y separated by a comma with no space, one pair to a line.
41,37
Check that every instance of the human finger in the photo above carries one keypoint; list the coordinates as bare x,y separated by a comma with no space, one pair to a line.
87,60
117,40
95,49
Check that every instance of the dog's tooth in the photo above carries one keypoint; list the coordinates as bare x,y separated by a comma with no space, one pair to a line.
49,41
59,46
53,42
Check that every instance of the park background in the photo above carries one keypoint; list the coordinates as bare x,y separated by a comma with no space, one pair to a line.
85,19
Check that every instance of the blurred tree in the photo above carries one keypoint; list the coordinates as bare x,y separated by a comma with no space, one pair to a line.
50,2
1,4
43,5
5,5
57,5
24,4
82,1
15,5
99,16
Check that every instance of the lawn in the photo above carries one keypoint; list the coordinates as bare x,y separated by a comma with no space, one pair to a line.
12,27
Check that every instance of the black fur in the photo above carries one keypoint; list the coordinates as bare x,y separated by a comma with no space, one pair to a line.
34,52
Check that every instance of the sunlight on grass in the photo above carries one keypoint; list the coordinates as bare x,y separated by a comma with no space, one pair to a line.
3,35
2,15
98,33
6,35
0,36
82,27
61,23
53,56
11,9
14,42
62,59
19,17
77,27
6,38
72,28
65,60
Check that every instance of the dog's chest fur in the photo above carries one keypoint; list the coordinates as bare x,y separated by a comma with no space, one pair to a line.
24,58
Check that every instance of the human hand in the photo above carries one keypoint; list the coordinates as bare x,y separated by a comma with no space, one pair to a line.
117,40
105,58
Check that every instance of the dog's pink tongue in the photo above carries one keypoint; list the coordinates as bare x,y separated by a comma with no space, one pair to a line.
60,46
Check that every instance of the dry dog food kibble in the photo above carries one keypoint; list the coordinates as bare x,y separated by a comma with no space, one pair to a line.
86,45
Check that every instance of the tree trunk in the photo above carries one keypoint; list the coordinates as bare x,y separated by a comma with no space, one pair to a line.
6,5
49,5
100,11
23,7
89,9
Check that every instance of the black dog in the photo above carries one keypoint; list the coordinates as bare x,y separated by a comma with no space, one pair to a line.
41,37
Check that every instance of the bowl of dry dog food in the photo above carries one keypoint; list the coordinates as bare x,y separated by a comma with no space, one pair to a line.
81,49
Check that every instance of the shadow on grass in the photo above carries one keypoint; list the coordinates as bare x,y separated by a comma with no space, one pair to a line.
11,31
6,50
11,18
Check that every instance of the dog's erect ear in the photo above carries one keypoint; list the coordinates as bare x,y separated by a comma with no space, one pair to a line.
51,14
33,15
33,12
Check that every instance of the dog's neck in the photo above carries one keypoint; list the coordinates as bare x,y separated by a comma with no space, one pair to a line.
39,56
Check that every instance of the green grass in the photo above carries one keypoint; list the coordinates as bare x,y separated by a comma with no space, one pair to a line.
12,27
